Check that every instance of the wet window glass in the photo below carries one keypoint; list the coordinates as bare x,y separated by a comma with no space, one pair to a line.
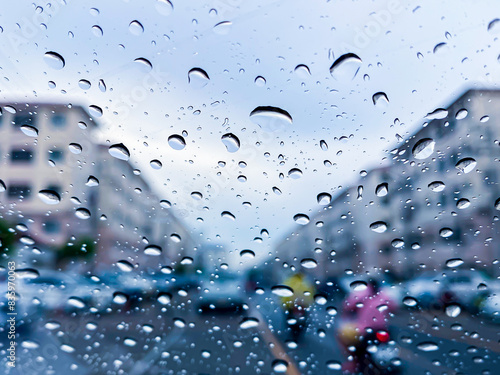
249,187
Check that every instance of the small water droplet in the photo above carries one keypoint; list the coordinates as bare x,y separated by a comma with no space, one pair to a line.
428,346
164,298
75,148
461,114
380,100
120,298
324,198
180,323
155,164
454,262
441,48
378,226
445,232
228,215
82,213
436,186
102,85
135,27
129,342
153,250
54,60
295,173
463,203
302,71
95,111
249,254
145,64
494,26
76,302
358,285
124,265
247,323
282,290
84,84
382,190
29,130
280,366
410,301
97,30
164,7
308,263
260,81
323,145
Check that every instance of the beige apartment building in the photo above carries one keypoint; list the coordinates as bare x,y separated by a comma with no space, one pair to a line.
64,187
426,206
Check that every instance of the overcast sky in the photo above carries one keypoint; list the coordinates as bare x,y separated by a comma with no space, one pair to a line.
421,56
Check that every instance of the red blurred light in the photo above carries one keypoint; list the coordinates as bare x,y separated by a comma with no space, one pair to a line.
383,336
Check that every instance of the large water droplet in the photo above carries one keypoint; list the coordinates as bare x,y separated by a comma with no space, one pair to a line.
437,114
249,254
120,298
84,84
378,227
445,232
223,28
494,26
280,366
95,111
461,114
466,165
29,130
228,215
247,323
82,213
176,141
302,71
124,265
144,64
428,346
54,60
153,250
324,198
129,342
76,302
135,27
463,203
323,145
155,164
164,298
75,148
410,301
436,186
453,310
358,285
423,148
271,118
282,290
119,151
382,190
345,67
308,263
441,48
301,219
231,142
295,173
49,196
454,262
380,100
198,78
179,323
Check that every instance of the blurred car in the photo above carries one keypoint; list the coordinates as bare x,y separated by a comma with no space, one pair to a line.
224,294
466,288
426,289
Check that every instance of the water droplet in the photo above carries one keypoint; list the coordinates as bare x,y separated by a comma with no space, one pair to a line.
346,67
249,254
49,196
397,243
198,78
247,323
176,141
145,64
378,227
76,302
223,28
2,186
75,148
82,213
436,186
282,290
358,285
164,298
155,164
320,299
334,365
119,151
323,145
124,265
271,118
295,173
84,84
120,298
95,111
29,344
54,60
466,165
382,190
135,27
231,142
92,182
205,354
27,273
52,325
461,114
175,238
428,346
308,263
437,114
10,109
276,190
153,250
97,31
180,323
441,48
453,310
445,232
324,198
380,100
102,85
410,301
260,81
494,26
164,7
463,203
454,262
129,342
280,366
301,219
302,71
423,148
228,215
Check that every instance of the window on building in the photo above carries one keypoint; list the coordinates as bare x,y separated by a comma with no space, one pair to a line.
24,119
21,156
19,191
58,120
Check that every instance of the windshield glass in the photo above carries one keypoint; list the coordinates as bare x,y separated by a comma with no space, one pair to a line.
249,187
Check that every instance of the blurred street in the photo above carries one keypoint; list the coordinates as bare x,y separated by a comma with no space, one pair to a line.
176,339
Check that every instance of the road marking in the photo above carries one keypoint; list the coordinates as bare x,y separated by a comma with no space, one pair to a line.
274,344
